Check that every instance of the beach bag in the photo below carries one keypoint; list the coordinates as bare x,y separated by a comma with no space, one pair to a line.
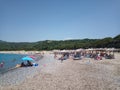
35,64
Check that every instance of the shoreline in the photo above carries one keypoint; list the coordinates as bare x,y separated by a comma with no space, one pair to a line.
22,73
21,52
73,75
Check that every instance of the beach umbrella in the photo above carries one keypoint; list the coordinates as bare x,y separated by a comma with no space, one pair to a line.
32,57
63,51
27,58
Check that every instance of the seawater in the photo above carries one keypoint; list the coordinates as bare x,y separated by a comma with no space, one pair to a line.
9,61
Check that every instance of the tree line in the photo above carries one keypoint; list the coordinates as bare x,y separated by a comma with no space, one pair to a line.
107,42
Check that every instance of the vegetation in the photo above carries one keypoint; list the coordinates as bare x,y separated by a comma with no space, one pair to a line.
107,42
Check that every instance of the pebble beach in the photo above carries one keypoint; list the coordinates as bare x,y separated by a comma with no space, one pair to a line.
85,74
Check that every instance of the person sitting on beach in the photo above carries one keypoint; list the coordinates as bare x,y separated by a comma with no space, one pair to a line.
29,63
22,64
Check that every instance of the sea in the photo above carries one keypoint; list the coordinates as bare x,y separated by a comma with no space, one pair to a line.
9,61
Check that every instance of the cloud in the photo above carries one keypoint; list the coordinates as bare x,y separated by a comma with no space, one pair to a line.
68,38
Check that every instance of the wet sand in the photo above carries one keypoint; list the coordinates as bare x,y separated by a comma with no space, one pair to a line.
85,74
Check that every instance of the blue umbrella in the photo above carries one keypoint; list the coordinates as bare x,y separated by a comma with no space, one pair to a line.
27,58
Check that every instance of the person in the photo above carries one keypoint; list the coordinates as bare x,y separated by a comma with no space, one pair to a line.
1,64
29,63
55,55
62,58
22,64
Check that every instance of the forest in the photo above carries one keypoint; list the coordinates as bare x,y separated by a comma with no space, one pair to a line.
107,42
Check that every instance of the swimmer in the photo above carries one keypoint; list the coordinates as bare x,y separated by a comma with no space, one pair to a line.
1,64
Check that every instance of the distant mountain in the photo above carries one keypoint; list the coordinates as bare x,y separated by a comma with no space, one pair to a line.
2,41
117,37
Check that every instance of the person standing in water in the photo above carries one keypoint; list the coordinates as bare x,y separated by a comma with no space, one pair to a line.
1,64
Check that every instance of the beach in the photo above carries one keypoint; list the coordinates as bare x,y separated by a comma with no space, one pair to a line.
85,74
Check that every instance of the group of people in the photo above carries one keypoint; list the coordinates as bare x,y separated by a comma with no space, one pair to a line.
28,64
96,55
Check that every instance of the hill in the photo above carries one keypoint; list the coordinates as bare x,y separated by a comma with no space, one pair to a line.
107,42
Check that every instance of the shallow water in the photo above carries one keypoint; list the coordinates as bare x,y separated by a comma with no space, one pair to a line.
8,61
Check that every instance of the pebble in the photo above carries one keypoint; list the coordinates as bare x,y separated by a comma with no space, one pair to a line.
17,76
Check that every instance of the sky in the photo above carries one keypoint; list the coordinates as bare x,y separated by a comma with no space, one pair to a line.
38,20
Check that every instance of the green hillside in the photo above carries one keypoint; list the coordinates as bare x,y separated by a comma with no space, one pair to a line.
107,42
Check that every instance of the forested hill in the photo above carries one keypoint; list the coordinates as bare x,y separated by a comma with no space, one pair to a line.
107,42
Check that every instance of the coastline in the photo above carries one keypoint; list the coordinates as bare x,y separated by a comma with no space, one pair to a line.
73,75
21,52
18,75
